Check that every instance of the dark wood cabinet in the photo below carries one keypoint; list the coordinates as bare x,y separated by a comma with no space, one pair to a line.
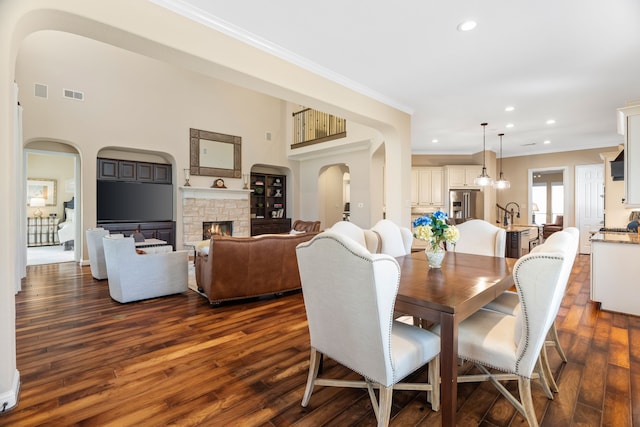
269,204
127,170
165,230
517,243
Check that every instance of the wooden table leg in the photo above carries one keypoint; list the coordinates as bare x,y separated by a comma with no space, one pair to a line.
448,368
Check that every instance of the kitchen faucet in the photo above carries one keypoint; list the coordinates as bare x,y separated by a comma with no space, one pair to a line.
509,213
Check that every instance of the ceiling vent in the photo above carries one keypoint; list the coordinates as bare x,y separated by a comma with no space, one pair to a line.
73,94
40,90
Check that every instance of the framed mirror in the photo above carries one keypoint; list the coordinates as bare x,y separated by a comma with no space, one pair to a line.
215,154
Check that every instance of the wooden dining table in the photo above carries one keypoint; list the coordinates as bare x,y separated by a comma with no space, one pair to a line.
448,295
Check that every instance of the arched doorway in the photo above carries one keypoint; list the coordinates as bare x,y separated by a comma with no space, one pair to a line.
51,179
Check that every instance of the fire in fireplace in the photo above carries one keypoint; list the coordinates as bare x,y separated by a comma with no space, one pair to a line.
217,228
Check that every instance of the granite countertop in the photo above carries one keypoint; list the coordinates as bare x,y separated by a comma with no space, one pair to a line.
616,237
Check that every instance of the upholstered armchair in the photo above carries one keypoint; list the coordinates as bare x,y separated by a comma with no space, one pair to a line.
357,328
306,226
480,237
96,252
133,276
549,229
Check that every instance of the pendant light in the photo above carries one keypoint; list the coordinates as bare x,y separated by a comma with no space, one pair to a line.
483,179
501,183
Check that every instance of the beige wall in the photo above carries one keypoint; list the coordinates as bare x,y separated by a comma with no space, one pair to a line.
57,167
516,170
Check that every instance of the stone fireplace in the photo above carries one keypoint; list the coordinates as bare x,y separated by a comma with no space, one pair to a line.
200,205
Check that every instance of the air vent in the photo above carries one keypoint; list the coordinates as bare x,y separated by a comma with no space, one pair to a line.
41,90
73,94
528,144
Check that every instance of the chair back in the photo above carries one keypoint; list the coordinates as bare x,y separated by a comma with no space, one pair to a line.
540,278
480,237
366,238
96,252
394,240
349,295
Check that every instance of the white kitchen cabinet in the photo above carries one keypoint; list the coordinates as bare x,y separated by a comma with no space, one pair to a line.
427,187
462,176
630,120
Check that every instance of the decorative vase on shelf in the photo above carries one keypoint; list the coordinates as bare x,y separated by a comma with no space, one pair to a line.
434,258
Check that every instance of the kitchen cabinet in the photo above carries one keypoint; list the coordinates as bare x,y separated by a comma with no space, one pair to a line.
462,176
615,270
630,121
427,187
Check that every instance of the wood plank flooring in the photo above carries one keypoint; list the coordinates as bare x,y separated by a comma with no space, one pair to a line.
87,360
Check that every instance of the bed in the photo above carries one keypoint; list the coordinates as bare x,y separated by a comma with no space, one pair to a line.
67,228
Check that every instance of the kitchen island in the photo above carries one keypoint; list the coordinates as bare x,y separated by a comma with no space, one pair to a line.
615,271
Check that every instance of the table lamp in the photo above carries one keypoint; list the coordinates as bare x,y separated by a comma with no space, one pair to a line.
534,209
37,202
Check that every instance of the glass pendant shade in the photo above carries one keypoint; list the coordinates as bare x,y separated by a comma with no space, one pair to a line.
483,179
501,183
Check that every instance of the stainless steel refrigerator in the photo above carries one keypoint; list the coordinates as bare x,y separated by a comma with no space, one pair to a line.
466,204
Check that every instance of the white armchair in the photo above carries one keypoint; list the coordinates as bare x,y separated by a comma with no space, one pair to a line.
134,277
349,295
394,240
481,238
96,251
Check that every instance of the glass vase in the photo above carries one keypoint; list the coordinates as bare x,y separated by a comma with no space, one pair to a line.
435,257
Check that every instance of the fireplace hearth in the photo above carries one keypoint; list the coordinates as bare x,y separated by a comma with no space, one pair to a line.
216,228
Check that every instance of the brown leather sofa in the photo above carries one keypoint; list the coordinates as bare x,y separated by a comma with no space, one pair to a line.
308,226
549,229
244,267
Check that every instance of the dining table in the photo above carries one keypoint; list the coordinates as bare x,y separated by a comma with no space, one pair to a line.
447,295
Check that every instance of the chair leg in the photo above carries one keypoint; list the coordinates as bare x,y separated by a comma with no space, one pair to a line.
524,387
433,396
555,341
543,377
314,365
384,416
548,375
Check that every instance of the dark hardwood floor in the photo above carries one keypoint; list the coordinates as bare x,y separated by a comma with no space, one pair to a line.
87,360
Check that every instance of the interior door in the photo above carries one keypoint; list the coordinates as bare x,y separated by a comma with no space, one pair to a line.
589,202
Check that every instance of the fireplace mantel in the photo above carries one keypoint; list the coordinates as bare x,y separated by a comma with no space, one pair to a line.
214,193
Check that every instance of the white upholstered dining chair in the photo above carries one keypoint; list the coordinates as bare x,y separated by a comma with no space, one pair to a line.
364,237
508,302
349,295
512,344
394,239
480,237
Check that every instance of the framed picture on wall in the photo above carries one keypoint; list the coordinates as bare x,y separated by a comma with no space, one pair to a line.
41,188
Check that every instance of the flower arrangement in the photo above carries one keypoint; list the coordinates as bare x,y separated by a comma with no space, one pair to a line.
435,230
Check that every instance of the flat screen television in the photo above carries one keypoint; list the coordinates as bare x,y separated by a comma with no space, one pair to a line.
134,202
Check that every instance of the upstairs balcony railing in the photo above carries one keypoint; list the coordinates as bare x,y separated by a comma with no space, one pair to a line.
312,126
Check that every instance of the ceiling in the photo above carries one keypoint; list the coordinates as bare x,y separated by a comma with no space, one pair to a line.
573,61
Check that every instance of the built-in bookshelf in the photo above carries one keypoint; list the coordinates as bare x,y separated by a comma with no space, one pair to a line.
269,204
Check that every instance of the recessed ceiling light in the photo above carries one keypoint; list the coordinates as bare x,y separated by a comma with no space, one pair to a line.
547,142
509,125
509,108
550,121
435,141
467,25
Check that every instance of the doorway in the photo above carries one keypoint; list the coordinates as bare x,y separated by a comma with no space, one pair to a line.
334,193
547,194
589,203
52,174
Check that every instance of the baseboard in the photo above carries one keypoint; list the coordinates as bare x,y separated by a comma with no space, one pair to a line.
9,399
83,262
